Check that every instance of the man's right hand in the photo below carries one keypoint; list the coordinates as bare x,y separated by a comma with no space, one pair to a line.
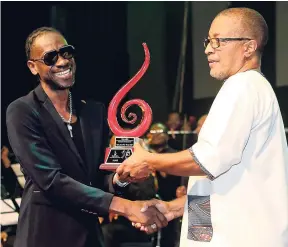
133,210
161,206
150,216
171,210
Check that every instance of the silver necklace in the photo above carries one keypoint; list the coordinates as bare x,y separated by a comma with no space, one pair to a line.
69,126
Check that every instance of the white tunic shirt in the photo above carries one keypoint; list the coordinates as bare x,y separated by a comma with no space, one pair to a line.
242,147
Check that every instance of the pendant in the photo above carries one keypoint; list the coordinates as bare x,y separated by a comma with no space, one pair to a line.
70,130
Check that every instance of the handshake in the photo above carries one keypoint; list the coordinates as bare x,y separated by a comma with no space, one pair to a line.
148,216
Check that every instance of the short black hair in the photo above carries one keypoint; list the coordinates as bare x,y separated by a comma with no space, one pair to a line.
36,33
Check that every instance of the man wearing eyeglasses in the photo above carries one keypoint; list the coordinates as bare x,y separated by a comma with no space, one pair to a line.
238,188
60,143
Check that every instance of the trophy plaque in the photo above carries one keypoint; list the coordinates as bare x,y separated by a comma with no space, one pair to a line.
126,138
115,156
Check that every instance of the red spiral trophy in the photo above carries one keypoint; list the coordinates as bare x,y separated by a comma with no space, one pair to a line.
125,139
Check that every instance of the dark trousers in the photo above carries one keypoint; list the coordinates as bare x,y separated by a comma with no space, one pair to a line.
120,233
170,234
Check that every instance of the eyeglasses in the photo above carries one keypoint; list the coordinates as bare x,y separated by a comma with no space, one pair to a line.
51,57
215,42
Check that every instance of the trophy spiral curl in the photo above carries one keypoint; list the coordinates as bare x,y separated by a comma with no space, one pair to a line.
146,109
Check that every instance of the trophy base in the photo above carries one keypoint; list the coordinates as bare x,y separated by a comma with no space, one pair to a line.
115,156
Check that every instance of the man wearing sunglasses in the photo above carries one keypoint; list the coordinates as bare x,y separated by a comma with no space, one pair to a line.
237,193
60,143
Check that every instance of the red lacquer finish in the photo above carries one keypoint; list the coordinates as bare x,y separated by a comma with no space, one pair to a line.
146,110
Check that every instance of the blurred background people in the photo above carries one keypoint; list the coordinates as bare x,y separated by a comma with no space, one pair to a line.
180,130
10,186
10,189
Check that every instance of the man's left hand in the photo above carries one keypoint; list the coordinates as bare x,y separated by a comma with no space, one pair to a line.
135,168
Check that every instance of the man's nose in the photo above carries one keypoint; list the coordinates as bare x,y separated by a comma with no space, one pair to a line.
61,62
208,49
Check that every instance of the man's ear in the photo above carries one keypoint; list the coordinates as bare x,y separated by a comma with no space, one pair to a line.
250,47
31,65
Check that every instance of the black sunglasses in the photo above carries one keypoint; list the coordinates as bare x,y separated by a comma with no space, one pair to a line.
51,57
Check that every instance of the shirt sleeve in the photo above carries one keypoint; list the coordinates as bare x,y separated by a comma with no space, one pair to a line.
226,130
